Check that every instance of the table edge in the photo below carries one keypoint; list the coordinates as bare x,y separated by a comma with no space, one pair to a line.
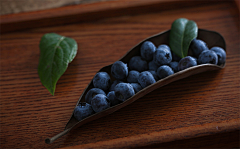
166,135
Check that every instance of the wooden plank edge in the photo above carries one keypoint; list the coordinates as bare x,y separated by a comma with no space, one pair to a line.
219,140
237,4
67,10
88,12
166,135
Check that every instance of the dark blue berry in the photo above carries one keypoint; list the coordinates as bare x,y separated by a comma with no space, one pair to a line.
82,111
123,91
152,66
138,63
102,80
145,79
221,54
154,74
133,76
174,66
137,87
162,55
165,47
147,50
187,62
100,102
197,46
93,92
208,57
164,71
119,70
112,98
115,82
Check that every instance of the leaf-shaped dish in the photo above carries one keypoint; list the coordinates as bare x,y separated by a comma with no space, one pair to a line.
210,37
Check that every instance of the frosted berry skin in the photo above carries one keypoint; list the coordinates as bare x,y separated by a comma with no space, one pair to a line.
186,62
93,92
100,103
208,57
197,46
119,70
154,73
165,46
221,54
112,98
102,80
145,79
162,55
137,87
138,63
147,50
152,66
164,71
174,66
115,82
133,76
123,91
82,111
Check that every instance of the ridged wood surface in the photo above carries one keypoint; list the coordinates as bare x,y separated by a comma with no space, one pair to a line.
200,105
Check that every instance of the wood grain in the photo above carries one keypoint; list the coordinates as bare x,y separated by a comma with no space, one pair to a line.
238,4
201,105
87,12
219,140
13,6
164,136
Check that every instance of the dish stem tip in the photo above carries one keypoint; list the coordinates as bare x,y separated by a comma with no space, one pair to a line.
51,140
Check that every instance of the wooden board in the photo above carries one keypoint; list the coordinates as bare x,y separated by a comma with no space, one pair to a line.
199,106
87,12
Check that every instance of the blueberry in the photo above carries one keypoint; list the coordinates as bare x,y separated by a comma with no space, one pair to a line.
115,82
137,87
119,70
93,92
154,74
133,76
138,64
102,80
195,59
187,62
145,79
164,71
82,111
165,46
100,102
147,50
112,98
123,91
197,46
152,66
174,66
208,56
162,55
220,53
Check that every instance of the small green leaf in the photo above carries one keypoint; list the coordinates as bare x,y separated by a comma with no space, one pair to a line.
183,31
56,52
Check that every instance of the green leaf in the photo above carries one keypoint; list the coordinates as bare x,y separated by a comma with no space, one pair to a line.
183,31
56,52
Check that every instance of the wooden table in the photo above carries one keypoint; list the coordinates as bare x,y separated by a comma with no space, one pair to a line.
198,111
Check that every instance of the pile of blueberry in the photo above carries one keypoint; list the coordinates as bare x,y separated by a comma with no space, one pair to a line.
153,64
